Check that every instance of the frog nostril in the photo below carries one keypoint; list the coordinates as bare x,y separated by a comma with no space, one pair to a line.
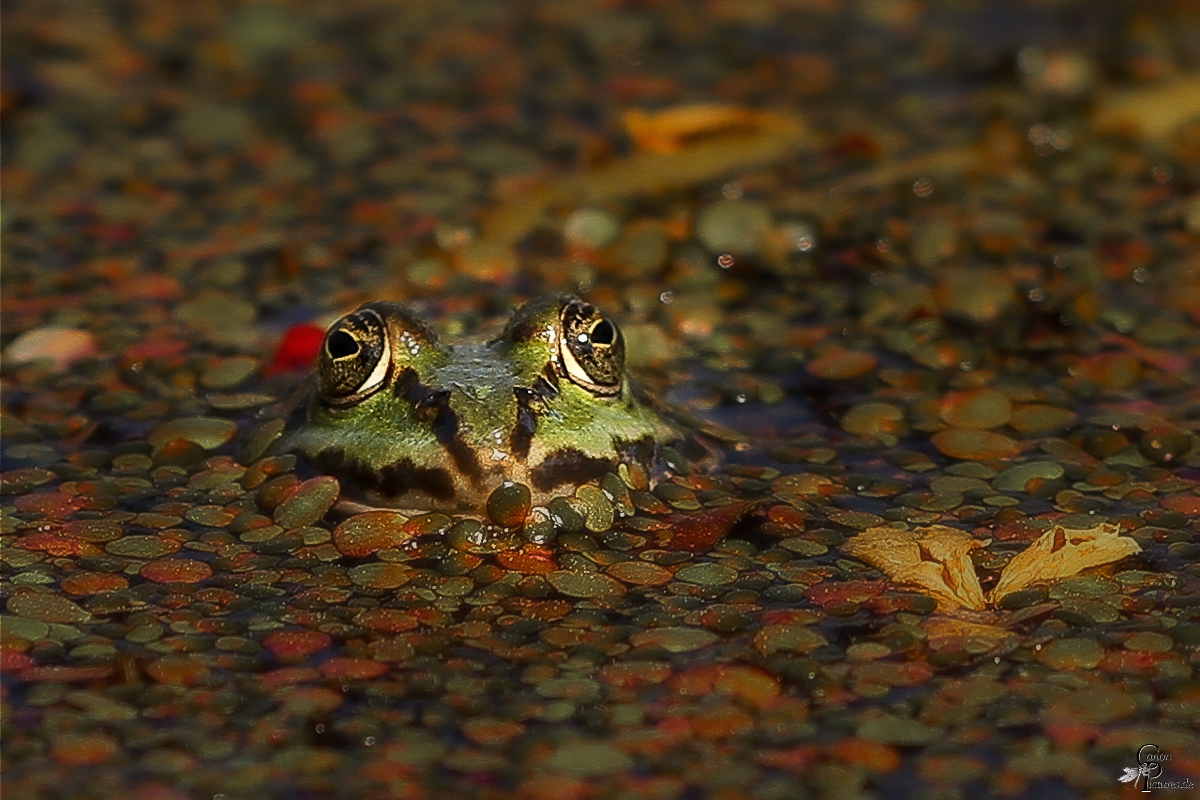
341,345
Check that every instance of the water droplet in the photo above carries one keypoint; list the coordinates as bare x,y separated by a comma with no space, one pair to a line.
800,235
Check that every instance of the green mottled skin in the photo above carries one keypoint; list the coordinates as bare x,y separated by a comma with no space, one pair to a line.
388,430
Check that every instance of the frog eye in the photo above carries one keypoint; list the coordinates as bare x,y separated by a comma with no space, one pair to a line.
354,358
592,349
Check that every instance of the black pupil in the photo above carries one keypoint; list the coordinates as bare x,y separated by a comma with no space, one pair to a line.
603,333
341,344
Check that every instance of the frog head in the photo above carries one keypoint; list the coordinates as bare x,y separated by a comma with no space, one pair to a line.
411,422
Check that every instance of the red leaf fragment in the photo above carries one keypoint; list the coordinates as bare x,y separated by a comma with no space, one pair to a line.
297,350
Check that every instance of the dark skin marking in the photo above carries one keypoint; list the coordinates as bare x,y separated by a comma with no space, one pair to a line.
639,451
572,466
568,466
531,402
433,406
405,382
547,383
528,406
391,481
465,460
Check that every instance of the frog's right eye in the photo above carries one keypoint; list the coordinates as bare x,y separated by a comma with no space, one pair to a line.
592,349
354,358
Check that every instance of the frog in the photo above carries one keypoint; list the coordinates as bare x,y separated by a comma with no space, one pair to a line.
407,421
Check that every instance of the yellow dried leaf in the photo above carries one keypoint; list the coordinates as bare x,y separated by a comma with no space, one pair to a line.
665,130
767,137
936,559
1063,552
1157,111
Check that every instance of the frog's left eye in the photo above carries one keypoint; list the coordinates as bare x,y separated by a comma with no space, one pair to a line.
592,349
354,358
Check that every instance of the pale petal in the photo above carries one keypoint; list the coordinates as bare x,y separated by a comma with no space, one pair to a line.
936,559
1062,552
